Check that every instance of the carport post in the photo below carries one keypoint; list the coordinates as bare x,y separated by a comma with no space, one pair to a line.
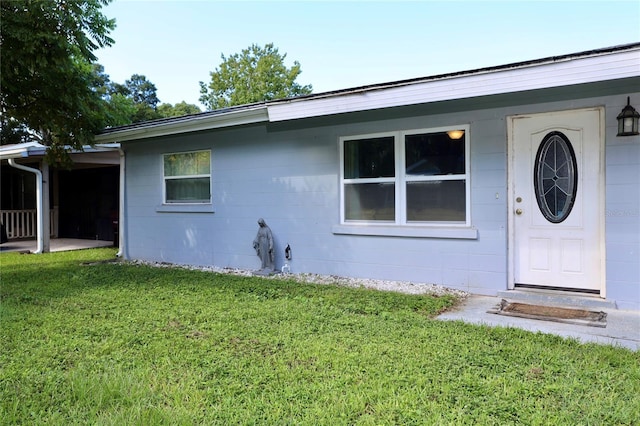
46,215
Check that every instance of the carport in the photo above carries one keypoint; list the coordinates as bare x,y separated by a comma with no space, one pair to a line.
42,203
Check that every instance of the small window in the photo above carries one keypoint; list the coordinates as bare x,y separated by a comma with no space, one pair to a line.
187,177
406,178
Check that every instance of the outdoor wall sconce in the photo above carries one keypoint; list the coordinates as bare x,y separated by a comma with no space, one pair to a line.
628,120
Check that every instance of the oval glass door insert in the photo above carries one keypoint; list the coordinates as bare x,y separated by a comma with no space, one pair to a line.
555,177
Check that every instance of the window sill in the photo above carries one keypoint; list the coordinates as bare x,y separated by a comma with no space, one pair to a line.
407,231
185,208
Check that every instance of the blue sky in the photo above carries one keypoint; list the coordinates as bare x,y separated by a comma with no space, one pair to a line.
343,44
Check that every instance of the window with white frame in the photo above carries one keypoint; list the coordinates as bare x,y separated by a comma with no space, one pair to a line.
417,177
187,177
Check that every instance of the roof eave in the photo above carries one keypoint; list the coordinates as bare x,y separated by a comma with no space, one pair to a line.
194,123
618,62
22,150
567,71
36,149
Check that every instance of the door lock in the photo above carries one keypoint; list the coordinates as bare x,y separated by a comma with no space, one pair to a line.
518,212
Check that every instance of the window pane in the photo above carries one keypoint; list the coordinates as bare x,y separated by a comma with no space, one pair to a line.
370,201
369,158
436,201
434,154
186,164
188,190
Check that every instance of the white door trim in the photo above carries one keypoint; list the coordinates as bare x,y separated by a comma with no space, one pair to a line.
510,192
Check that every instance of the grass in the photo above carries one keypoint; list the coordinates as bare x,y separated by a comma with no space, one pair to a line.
89,342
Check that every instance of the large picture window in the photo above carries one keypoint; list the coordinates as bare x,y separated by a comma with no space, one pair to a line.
406,178
187,177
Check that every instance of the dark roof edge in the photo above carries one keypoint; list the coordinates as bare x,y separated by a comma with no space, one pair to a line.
185,118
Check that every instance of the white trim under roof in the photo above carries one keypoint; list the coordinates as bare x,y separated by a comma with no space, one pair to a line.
36,149
609,64
612,66
21,150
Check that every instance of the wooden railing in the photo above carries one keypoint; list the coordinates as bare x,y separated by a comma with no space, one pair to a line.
23,223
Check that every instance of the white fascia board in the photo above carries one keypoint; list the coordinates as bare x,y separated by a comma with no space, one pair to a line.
186,125
22,150
492,82
35,149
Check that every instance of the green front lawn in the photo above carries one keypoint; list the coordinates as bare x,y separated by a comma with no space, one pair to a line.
90,342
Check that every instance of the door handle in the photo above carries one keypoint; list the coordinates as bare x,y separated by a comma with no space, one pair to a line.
518,212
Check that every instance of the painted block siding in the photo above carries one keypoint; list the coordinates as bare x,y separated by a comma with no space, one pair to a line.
288,174
622,211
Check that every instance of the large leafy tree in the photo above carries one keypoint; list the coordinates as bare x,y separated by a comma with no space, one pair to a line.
257,74
47,76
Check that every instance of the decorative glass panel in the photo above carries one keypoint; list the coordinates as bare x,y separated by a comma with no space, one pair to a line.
369,201
555,177
436,201
369,158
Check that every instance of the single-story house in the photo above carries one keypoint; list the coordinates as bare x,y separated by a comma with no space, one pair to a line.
489,180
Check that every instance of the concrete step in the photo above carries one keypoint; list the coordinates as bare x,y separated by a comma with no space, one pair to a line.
560,299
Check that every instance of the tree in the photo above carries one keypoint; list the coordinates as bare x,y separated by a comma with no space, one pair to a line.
177,110
257,74
145,99
119,108
46,73
136,100
142,91
140,94
12,131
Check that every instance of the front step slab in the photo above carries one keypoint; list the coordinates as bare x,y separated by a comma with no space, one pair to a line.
561,299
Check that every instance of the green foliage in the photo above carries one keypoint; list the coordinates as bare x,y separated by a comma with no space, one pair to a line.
257,74
46,72
142,91
12,131
121,110
52,89
178,110
136,100
86,340
131,102
145,100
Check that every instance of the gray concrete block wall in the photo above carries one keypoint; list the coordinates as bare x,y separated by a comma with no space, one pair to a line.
290,177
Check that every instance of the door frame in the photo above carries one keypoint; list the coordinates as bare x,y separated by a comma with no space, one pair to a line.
511,120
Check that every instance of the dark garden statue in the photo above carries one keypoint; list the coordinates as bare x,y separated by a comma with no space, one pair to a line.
263,245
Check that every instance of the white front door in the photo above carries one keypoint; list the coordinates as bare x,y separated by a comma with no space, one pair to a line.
557,206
